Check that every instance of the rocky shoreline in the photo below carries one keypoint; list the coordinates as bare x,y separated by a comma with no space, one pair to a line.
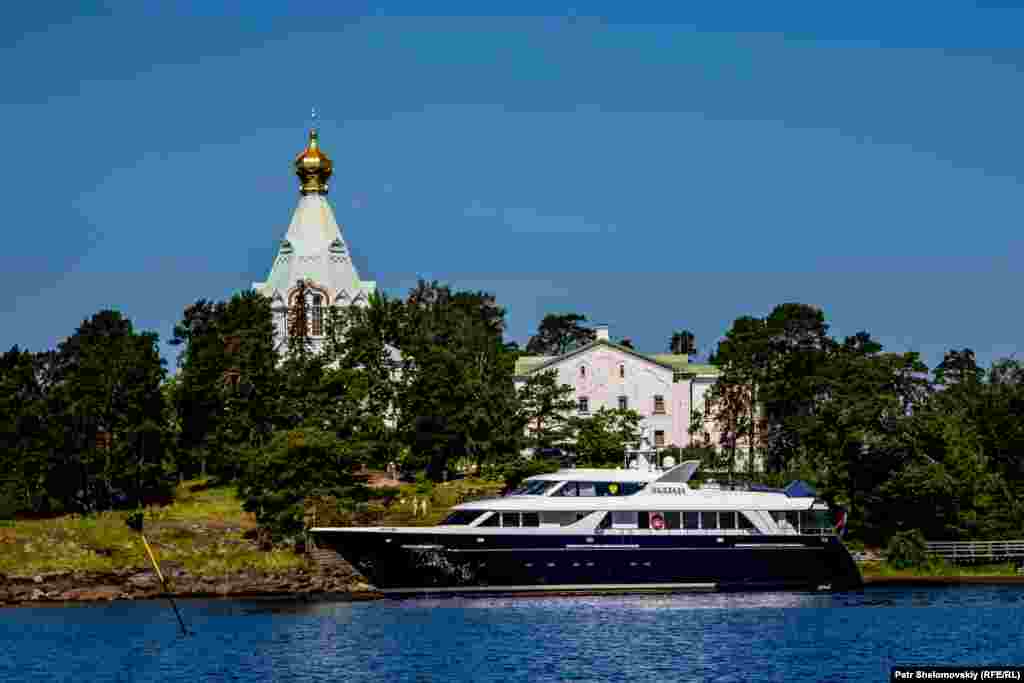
136,584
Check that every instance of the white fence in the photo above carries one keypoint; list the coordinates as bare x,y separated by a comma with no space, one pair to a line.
969,552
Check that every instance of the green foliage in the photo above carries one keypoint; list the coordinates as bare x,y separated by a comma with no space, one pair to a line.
683,342
296,465
907,550
544,409
602,439
514,473
84,427
226,394
457,398
559,334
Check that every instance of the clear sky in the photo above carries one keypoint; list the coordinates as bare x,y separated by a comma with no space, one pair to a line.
653,169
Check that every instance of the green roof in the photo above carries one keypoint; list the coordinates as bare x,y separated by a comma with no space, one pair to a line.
526,363
677,362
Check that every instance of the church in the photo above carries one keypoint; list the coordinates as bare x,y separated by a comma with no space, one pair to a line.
664,388
314,251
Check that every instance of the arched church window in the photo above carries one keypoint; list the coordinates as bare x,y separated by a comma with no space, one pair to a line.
316,317
583,371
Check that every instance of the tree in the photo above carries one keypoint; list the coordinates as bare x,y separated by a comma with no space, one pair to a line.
457,394
105,393
858,429
558,334
544,410
294,466
602,439
731,403
25,440
683,343
362,386
628,343
229,382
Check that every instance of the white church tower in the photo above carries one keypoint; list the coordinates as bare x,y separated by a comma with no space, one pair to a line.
314,251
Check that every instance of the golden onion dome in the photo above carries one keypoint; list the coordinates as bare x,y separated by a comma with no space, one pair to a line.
313,167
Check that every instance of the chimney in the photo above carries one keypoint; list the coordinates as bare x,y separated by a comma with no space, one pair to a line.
602,332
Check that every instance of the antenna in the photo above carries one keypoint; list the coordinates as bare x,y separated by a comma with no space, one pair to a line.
312,118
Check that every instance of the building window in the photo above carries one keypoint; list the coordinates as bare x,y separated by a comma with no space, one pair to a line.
583,371
622,371
623,402
584,405
317,316
659,405
659,438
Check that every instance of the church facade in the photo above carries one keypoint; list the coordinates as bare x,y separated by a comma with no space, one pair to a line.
314,252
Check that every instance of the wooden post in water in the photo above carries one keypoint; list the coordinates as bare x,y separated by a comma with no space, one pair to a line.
135,522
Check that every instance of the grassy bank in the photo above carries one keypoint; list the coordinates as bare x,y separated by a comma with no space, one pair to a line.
937,569
205,532
402,504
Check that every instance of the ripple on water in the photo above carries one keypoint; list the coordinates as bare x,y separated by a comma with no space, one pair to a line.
697,636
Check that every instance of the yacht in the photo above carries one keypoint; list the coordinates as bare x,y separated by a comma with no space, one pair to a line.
642,527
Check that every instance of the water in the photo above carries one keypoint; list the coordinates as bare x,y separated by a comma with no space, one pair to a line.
700,636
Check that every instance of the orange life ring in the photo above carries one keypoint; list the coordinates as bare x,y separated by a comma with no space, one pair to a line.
657,521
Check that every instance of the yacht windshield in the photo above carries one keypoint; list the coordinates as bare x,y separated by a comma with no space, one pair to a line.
600,488
535,488
462,517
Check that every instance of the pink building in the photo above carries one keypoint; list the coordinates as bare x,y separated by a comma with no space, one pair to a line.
664,388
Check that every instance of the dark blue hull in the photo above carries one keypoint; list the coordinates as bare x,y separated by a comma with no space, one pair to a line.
432,561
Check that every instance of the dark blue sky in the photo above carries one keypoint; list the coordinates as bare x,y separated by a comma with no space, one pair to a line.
651,170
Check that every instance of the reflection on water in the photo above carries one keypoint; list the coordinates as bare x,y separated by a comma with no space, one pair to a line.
850,636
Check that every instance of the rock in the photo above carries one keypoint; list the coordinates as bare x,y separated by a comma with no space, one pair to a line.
143,580
37,595
93,593
37,579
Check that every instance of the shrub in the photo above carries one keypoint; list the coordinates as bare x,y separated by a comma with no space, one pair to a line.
907,550
515,473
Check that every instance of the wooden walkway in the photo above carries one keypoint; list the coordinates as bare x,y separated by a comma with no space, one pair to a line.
977,552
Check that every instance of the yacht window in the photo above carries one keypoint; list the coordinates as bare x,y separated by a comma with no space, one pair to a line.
509,519
727,520
814,519
658,521
493,520
793,517
586,488
709,520
624,520
560,518
606,521
672,520
691,520
744,521
535,488
568,490
463,517
531,519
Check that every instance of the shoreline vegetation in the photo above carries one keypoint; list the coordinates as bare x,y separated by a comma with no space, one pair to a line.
274,435
206,544
209,547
